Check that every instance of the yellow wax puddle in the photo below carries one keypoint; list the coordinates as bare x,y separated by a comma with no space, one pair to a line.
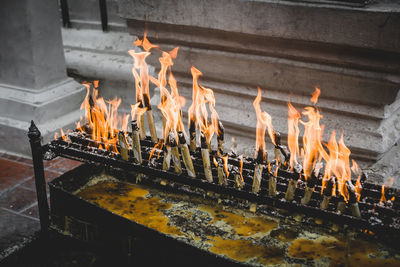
244,250
284,235
361,253
134,203
244,226
130,202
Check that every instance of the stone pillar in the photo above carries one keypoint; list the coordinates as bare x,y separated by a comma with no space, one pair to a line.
33,80
286,48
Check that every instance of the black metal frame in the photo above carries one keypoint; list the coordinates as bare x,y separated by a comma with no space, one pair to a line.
82,149
40,181
66,19
65,14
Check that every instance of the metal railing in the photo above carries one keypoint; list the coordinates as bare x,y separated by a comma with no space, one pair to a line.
66,22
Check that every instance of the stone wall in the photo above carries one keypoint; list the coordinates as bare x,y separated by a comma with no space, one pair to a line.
287,49
33,80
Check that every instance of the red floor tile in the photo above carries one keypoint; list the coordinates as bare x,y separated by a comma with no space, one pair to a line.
49,163
64,165
17,199
12,173
32,211
26,161
10,157
49,175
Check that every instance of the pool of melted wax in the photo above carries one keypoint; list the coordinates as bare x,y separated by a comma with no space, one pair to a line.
233,233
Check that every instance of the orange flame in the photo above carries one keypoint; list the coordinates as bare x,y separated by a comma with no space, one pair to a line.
241,168
263,122
136,110
166,63
383,198
145,43
357,171
338,164
103,119
215,162
141,78
78,125
225,159
315,95
293,134
332,159
63,135
158,147
171,102
312,144
180,101
198,110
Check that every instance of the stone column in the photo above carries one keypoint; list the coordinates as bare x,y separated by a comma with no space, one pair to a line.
286,48
33,80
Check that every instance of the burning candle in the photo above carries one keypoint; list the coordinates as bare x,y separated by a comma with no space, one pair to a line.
261,159
192,133
150,119
205,154
171,152
142,83
277,152
187,160
136,147
220,168
220,137
263,121
175,153
355,210
281,150
239,183
167,155
327,192
341,205
311,182
387,184
123,144
142,126
289,195
273,173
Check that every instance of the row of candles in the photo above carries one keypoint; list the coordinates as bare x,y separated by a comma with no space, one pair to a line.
102,119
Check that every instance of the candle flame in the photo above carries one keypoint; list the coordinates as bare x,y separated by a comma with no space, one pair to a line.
315,95
293,134
225,159
201,98
263,122
103,118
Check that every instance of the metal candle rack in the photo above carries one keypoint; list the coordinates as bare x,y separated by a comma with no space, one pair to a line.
376,218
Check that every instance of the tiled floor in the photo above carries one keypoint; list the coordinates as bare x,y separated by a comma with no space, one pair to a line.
18,203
